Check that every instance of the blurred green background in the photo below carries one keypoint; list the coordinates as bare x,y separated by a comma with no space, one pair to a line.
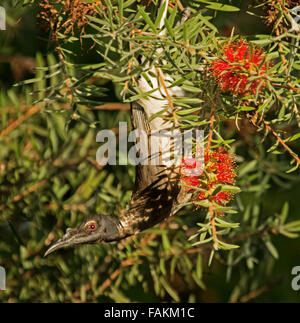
62,164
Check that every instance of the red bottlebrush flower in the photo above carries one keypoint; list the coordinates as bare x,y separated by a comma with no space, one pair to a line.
191,181
240,61
224,166
219,168
189,162
191,169
222,197
202,196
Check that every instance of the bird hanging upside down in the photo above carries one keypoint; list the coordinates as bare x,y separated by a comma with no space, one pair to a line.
157,193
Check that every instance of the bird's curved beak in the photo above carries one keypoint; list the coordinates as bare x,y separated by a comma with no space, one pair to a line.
68,240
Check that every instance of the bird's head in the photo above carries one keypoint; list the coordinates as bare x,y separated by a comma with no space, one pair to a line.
94,229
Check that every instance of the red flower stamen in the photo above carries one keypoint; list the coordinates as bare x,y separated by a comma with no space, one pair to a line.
219,168
239,62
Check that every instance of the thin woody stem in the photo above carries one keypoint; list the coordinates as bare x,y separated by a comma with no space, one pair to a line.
212,120
289,87
255,293
213,226
30,190
180,6
281,141
161,80
127,262
33,110
286,147
211,210
29,112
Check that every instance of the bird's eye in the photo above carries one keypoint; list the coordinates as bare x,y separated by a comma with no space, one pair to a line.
91,226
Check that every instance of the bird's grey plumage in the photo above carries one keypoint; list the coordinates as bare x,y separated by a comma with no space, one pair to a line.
107,230
157,194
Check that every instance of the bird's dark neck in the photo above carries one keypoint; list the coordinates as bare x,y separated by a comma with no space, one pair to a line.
110,229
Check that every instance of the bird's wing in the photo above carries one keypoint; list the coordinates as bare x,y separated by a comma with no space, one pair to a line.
157,191
147,171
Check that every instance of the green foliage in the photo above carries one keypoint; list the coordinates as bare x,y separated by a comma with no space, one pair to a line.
49,178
